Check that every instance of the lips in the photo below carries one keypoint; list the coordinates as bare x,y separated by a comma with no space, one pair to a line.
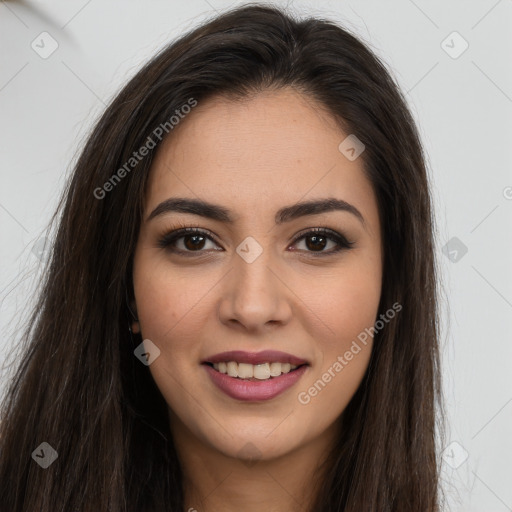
264,385
265,356
252,390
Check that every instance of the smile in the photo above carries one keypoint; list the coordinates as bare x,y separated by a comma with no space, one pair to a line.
254,389
248,371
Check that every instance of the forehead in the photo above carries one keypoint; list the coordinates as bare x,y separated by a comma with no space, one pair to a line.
256,154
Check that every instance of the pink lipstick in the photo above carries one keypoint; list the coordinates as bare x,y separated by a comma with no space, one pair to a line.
254,376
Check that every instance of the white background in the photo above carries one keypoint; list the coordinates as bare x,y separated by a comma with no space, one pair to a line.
463,107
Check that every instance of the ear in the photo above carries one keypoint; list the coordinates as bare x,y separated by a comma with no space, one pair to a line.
135,322
135,327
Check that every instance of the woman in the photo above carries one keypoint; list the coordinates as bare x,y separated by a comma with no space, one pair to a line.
239,311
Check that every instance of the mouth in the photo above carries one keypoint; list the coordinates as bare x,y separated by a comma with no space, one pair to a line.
254,377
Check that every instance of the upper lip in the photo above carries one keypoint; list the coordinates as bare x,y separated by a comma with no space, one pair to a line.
265,356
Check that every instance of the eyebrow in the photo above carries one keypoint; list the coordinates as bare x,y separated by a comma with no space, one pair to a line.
286,214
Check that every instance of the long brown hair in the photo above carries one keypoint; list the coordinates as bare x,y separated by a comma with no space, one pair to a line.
79,386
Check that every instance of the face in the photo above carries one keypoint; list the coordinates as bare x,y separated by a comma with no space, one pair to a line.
258,274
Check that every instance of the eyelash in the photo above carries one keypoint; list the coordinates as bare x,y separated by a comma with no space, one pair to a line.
166,240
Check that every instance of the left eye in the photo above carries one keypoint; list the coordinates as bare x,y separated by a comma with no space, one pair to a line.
192,240
316,240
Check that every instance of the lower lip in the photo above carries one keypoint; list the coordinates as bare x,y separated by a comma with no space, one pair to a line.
254,391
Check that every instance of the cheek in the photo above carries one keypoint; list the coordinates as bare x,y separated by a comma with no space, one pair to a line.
171,315
170,312
348,306
346,299
165,296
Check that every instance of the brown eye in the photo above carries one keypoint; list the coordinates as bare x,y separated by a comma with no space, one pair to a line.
194,242
317,240
188,240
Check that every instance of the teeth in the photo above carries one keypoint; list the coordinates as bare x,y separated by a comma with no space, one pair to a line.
245,371
262,371
232,369
275,369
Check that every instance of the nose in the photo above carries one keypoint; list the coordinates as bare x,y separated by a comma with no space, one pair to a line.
254,296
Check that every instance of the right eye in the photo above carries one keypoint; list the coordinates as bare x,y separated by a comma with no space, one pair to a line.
186,240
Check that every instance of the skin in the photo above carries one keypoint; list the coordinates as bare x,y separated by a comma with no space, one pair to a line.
253,157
